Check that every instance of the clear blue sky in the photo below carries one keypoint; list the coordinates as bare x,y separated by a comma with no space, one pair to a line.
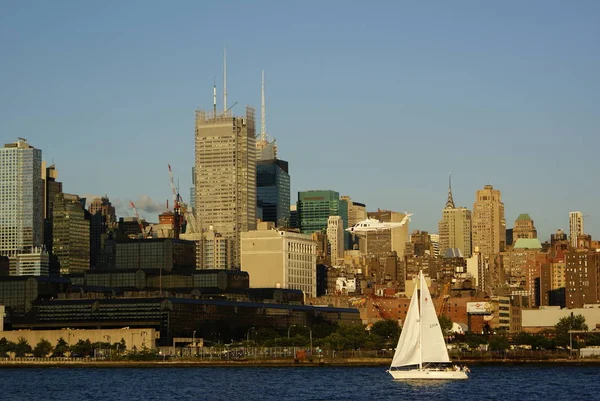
376,100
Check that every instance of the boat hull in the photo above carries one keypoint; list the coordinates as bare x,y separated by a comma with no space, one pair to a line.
428,374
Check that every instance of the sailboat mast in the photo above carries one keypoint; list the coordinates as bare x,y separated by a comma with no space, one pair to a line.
420,319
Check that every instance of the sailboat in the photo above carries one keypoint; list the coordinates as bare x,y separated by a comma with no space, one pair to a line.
421,353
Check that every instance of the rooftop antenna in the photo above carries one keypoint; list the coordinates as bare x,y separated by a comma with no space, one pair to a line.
263,113
224,80
214,98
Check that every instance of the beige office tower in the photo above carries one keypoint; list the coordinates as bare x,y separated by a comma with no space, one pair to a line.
382,242
225,169
71,234
524,228
335,236
455,227
489,225
356,211
575,227
280,259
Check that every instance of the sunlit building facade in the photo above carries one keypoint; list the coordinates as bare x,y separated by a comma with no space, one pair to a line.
21,198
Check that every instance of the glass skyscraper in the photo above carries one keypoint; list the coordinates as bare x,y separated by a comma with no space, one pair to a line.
315,207
21,198
273,191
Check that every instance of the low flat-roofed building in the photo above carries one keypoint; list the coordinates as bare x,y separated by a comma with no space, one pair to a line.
537,320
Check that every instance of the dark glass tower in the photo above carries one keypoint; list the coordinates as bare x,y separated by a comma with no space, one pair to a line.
273,191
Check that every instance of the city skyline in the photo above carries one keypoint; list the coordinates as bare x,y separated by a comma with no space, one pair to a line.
494,95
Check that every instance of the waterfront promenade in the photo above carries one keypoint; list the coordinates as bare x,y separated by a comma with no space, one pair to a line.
346,358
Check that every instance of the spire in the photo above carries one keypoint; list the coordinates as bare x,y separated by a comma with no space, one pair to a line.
263,113
224,79
450,201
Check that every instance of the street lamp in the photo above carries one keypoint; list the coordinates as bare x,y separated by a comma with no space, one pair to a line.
571,340
290,328
143,334
248,334
109,346
194,341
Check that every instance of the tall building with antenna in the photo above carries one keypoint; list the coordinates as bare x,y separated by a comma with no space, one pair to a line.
225,174
272,175
455,227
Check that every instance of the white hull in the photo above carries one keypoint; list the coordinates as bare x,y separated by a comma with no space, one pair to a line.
428,374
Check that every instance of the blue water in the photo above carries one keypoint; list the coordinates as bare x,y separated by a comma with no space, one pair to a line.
295,383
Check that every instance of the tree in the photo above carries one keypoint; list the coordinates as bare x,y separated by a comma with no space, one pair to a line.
61,347
566,324
82,348
388,330
355,335
335,341
22,347
42,349
446,325
499,343
6,347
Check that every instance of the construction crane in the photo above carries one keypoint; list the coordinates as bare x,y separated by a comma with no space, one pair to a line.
137,216
442,298
176,206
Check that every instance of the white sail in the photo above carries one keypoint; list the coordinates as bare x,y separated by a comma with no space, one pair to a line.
408,349
434,346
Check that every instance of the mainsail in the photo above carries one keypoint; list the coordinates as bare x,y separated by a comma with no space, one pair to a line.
434,346
408,350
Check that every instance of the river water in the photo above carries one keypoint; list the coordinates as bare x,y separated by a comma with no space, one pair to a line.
500,382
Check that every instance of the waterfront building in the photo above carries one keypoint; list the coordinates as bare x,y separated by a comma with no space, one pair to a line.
225,181
489,225
155,253
524,228
21,198
280,259
575,227
315,207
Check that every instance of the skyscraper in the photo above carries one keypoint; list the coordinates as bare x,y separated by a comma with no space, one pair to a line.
315,207
225,181
71,234
21,198
455,227
335,236
575,227
524,228
489,225
51,188
272,176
